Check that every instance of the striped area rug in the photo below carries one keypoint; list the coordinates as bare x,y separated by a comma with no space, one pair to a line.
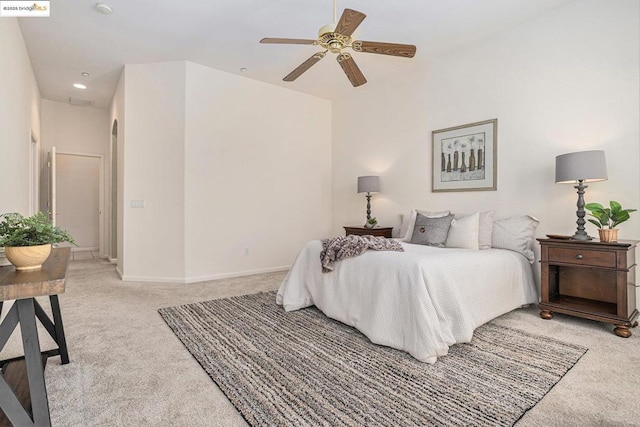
304,369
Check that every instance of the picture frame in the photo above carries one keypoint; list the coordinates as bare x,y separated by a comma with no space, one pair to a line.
465,158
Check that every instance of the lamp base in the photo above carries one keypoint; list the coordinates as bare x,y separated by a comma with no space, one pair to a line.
584,236
580,234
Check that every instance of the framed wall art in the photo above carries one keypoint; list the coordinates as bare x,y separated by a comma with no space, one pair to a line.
465,157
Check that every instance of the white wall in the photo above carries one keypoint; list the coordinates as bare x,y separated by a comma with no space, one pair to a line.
258,173
19,116
566,81
235,174
75,129
154,107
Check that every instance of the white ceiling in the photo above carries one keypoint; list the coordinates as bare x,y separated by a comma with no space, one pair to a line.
224,34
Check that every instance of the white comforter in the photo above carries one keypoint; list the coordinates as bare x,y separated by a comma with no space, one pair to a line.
421,301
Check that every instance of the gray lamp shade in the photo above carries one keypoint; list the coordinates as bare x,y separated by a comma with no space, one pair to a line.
588,166
368,184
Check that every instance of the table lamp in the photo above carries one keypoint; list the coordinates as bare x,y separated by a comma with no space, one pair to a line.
368,184
578,168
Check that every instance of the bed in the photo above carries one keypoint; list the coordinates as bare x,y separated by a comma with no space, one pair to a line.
421,301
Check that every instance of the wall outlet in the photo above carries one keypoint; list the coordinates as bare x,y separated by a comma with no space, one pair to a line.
136,203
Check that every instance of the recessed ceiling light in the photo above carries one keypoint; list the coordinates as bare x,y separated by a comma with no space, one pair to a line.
79,86
84,73
104,8
243,69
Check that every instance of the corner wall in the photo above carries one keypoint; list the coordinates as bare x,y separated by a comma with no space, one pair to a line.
235,173
565,81
153,236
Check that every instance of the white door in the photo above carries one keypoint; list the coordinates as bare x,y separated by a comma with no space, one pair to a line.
77,197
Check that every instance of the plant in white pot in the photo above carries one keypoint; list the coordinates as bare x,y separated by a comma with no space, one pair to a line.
607,219
371,222
27,240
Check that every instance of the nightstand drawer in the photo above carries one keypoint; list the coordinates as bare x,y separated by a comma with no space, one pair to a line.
582,257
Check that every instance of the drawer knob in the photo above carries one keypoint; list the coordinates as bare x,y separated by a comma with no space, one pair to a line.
579,256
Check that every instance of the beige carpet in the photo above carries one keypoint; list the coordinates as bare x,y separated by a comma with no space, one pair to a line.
128,368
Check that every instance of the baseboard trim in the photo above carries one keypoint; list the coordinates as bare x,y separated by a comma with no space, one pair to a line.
119,273
197,279
85,249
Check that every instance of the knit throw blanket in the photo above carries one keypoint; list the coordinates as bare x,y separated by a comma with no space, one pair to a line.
342,247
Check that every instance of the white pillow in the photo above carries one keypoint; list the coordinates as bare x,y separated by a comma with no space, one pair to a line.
410,220
485,228
404,223
463,232
516,233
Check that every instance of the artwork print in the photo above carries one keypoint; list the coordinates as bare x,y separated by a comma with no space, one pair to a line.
464,157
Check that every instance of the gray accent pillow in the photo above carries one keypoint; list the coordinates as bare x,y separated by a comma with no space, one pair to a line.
431,231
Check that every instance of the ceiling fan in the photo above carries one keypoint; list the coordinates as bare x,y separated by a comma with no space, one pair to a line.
337,36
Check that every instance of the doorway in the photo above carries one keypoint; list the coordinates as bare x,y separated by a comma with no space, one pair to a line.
113,247
76,198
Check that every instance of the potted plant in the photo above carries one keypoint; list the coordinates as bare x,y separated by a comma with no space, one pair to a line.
606,219
371,222
27,240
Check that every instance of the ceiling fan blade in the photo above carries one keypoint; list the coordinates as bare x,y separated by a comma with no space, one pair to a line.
349,21
393,49
351,69
272,40
303,67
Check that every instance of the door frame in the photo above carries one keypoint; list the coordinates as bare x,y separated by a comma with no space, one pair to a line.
101,222
34,173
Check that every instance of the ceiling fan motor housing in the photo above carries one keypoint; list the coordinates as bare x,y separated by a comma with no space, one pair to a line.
332,41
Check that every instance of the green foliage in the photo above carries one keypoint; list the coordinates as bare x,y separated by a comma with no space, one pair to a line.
608,217
372,220
17,230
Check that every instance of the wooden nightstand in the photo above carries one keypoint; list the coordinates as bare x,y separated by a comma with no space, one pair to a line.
590,279
363,231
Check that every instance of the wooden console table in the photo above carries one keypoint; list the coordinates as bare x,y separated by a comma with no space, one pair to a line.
24,287
590,279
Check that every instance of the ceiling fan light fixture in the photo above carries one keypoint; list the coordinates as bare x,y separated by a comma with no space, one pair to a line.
104,8
325,29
